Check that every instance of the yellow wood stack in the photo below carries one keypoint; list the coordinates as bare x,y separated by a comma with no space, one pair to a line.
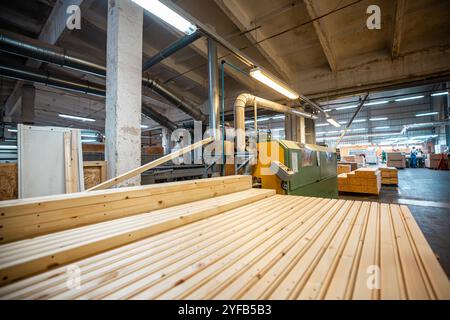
364,180
389,175
344,168
281,247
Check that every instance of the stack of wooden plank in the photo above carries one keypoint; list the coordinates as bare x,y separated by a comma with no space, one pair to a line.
364,180
353,165
282,247
389,176
344,168
396,160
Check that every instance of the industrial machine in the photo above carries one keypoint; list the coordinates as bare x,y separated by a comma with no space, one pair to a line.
292,168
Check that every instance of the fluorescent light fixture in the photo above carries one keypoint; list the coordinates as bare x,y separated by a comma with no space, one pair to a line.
322,125
12,130
409,98
8,147
277,117
144,126
163,12
260,76
347,107
342,122
359,129
427,114
439,94
67,116
381,128
378,119
89,140
333,122
86,135
359,120
277,129
376,103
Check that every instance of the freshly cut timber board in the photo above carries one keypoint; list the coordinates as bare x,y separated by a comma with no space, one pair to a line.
280,247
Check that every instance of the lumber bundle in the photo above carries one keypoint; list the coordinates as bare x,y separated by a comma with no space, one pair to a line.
364,180
26,218
23,258
344,168
353,165
283,247
389,176
396,160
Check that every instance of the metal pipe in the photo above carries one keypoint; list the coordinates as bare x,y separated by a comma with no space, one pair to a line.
174,99
171,49
246,99
361,105
46,78
29,48
158,117
213,88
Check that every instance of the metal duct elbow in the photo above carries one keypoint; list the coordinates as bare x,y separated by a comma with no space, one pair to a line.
190,110
244,100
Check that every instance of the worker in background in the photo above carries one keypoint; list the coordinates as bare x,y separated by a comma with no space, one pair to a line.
383,156
413,158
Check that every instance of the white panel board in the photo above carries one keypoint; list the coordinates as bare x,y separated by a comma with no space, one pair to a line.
41,161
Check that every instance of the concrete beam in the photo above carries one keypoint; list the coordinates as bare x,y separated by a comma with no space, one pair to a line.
100,22
321,34
398,28
381,73
243,21
123,88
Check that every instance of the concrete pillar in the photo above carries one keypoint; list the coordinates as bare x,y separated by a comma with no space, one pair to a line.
28,102
123,88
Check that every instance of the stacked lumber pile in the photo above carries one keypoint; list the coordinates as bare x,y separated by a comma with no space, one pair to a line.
282,247
344,168
364,180
396,160
353,165
360,160
434,159
389,176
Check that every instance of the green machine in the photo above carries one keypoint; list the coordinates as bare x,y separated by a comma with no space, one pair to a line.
299,169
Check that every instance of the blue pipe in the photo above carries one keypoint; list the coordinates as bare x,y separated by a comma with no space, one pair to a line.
171,49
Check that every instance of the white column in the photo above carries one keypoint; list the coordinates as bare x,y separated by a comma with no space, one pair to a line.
123,88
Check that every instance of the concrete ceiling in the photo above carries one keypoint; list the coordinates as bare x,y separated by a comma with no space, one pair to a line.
322,48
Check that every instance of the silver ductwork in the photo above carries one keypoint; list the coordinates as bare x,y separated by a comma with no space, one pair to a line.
246,100
422,125
86,87
31,48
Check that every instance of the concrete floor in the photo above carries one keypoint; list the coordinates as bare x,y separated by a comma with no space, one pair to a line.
427,194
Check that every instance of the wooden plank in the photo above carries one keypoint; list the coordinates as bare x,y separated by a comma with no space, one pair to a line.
278,247
150,165
414,283
30,264
74,160
392,287
434,272
43,222
97,268
8,181
12,208
68,163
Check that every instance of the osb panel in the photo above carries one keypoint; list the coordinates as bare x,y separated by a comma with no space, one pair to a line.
92,177
8,181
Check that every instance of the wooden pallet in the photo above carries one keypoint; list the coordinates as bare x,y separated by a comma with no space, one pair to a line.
283,247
